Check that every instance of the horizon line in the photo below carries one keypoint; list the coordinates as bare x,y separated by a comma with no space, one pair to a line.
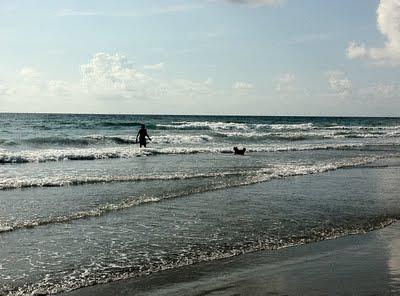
208,115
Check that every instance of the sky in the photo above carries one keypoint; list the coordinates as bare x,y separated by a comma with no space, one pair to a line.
236,57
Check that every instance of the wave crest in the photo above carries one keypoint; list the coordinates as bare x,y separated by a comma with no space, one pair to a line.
47,155
247,178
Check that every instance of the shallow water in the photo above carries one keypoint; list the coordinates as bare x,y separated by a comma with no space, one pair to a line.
80,207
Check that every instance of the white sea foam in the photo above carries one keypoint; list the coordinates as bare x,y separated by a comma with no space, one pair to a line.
247,177
71,180
289,136
361,127
45,155
301,130
181,139
109,207
206,125
5,228
301,126
157,139
90,275
217,125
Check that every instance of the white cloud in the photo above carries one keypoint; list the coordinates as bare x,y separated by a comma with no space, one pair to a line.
255,3
175,8
3,90
356,51
29,84
107,74
241,85
158,66
59,87
75,12
209,81
388,22
113,76
29,73
285,83
380,91
169,9
187,88
340,83
110,78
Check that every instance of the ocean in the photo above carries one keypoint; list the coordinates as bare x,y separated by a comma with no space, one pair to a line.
82,204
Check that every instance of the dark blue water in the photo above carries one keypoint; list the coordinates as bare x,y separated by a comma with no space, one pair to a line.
83,204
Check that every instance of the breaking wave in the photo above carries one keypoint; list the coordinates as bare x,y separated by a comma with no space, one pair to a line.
204,125
52,181
159,139
47,155
247,178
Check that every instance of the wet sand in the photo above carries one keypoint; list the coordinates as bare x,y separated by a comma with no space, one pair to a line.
366,264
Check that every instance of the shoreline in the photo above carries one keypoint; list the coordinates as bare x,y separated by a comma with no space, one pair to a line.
362,264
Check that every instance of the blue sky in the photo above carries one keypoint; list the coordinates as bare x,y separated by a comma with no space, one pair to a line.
261,57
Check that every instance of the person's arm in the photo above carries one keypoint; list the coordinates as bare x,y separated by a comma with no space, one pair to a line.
148,136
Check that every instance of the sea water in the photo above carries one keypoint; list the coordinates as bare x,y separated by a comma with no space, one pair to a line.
82,204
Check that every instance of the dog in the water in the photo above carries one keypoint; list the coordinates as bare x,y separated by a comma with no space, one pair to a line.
238,151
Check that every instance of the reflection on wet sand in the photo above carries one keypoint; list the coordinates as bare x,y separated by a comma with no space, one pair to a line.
394,264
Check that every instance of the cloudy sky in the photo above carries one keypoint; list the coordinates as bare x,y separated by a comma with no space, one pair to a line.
250,57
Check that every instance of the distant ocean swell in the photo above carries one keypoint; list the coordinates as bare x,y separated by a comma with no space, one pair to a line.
200,125
89,124
247,178
206,125
220,126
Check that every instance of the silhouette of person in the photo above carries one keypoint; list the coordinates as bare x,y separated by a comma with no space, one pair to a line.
142,134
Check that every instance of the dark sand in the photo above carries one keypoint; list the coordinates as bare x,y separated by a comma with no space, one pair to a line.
367,264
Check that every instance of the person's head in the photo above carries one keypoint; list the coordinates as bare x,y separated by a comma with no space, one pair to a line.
142,126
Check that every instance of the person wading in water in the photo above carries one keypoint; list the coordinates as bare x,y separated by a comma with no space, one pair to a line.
142,134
